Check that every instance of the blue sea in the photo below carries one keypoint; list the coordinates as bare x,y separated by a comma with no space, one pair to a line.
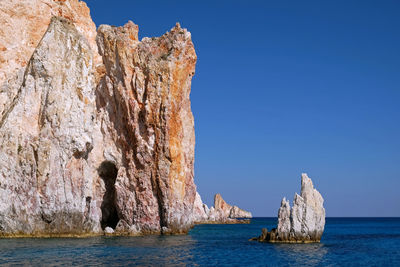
346,242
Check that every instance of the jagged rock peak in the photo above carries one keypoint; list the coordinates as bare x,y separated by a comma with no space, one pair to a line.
304,222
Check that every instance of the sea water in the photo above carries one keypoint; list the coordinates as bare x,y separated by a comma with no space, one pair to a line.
345,242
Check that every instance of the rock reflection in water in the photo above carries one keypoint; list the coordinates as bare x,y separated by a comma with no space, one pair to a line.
302,254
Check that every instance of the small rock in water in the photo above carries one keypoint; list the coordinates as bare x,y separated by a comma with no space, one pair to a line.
108,230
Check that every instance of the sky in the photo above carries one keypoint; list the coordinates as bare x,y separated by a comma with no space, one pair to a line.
285,87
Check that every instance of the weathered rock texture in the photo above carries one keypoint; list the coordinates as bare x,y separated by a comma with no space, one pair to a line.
222,212
96,129
23,24
304,223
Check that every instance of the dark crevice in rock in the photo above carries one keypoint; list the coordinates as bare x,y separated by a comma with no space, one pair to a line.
87,208
46,218
143,125
108,172
158,194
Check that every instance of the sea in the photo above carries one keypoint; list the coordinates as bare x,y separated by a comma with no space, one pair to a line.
345,242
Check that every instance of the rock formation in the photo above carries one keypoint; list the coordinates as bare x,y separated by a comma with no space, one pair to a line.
222,212
304,223
96,129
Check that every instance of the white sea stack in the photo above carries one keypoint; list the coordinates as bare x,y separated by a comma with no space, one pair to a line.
304,222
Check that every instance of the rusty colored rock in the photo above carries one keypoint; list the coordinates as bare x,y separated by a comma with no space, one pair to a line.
144,104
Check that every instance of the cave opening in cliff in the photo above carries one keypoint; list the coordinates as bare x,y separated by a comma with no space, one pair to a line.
109,214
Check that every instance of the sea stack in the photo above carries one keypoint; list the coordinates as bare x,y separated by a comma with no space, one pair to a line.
304,222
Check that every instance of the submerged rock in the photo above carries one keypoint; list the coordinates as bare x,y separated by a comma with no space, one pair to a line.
304,223
96,128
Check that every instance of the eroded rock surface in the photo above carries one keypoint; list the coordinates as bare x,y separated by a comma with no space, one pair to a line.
96,129
304,222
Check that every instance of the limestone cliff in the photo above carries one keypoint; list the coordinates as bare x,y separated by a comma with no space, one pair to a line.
304,223
96,128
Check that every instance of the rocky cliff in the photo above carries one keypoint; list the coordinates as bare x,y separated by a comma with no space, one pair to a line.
304,222
96,128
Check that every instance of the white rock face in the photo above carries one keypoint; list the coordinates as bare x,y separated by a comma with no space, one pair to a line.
307,217
303,223
284,219
200,210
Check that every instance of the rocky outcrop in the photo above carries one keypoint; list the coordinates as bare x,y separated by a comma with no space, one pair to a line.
96,129
221,212
304,223
144,109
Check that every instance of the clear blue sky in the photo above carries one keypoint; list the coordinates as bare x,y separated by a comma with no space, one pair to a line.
285,87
